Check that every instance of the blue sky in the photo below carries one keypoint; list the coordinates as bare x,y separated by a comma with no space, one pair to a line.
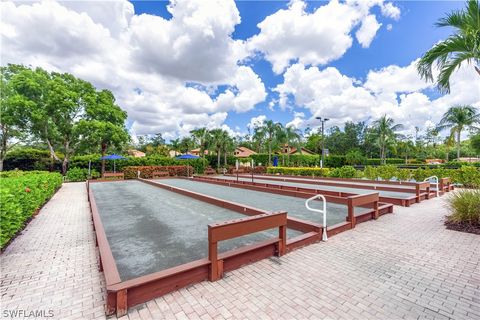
409,38
176,66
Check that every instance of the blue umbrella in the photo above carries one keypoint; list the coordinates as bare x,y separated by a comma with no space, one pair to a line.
187,157
112,157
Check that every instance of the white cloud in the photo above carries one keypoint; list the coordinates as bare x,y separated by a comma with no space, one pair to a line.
328,93
256,122
249,89
367,30
315,38
298,120
396,79
389,10
165,73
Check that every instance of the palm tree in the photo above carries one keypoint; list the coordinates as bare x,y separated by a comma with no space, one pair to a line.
458,118
201,138
218,139
462,46
186,144
272,131
292,137
385,129
174,145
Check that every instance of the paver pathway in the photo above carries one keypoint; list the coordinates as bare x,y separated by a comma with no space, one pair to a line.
403,266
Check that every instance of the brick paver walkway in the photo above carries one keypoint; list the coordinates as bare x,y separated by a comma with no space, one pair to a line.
403,266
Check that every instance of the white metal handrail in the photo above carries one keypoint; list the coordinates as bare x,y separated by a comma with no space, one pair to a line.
435,178
324,212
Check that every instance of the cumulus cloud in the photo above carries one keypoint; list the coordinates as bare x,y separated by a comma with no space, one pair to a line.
368,30
256,122
166,73
316,38
395,91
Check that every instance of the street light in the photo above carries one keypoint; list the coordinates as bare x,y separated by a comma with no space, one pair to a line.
323,140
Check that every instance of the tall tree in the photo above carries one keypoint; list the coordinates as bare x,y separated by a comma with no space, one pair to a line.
104,124
186,144
54,104
218,139
462,46
385,129
271,131
174,145
201,136
12,107
457,119
292,138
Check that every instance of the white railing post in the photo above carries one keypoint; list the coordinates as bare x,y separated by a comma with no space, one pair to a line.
324,212
435,178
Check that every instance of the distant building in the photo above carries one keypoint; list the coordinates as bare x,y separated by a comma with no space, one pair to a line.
136,153
286,149
196,152
434,161
468,159
243,152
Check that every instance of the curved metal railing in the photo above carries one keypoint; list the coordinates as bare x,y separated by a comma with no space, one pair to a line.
324,212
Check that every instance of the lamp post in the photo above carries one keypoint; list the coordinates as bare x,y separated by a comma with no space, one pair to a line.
323,140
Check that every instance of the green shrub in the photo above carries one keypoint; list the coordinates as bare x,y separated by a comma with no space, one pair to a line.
344,172
354,157
465,207
21,195
303,171
146,172
79,174
387,172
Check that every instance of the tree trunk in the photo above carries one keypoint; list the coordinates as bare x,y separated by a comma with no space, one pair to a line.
269,153
225,159
218,159
65,159
104,151
52,152
458,143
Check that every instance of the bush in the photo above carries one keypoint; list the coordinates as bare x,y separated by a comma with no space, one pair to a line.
317,172
146,172
464,207
21,195
376,161
354,157
30,159
78,174
344,172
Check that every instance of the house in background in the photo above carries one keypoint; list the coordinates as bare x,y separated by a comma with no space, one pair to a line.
136,153
243,152
196,152
286,149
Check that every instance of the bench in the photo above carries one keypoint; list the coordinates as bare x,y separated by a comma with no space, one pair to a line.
113,175
210,171
160,174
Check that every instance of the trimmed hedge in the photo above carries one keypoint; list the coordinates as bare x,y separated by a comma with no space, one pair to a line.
82,162
21,195
30,159
305,171
81,174
146,172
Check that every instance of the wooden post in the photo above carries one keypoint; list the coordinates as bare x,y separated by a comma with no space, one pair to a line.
111,304
417,193
375,207
122,306
282,243
351,213
213,257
